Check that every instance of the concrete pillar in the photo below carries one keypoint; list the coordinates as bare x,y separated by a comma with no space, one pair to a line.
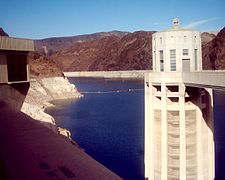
164,133
149,129
199,144
211,145
182,132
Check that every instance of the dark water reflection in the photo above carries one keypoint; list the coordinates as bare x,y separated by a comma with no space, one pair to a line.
219,133
110,127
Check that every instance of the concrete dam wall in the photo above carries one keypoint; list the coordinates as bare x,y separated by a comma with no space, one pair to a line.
108,74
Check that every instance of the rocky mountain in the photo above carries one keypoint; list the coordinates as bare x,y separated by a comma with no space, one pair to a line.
213,53
207,37
114,50
51,45
3,33
129,52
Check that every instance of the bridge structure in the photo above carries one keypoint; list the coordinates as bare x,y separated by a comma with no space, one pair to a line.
179,120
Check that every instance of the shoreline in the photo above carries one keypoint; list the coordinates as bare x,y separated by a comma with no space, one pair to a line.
61,130
41,94
134,74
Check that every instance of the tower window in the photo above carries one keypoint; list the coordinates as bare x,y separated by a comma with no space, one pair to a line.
161,60
196,58
185,52
154,63
173,60
160,40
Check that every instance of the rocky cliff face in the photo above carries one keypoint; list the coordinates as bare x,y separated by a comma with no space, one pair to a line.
44,90
213,53
47,84
129,52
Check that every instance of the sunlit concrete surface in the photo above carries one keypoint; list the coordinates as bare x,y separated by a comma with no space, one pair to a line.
178,129
179,122
210,79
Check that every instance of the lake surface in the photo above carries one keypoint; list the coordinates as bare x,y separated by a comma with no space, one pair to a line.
219,133
109,126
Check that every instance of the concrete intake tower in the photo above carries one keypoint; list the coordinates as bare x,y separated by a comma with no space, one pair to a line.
178,116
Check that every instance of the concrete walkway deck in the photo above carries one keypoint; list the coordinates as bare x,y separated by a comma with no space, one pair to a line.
30,151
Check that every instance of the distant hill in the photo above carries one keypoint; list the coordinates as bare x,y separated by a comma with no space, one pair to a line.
213,53
207,37
128,52
132,51
50,45
114,50
3,33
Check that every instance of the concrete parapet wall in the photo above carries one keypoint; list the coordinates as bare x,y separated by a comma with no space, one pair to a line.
211,79
108,74
214,79
159,77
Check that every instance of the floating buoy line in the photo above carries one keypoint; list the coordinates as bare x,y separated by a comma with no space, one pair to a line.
112,91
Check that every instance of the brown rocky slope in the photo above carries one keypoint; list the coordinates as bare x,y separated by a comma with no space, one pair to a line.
213,53
50,45
114,50
129,52
41,66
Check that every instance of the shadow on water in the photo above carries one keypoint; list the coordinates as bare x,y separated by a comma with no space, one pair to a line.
219,133
109,126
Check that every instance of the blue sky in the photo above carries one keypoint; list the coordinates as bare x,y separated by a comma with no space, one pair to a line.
48,18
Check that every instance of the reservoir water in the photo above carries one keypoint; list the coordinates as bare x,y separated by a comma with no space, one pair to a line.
109,126
219,133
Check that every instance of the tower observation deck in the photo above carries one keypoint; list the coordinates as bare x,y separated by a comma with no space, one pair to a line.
179,108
